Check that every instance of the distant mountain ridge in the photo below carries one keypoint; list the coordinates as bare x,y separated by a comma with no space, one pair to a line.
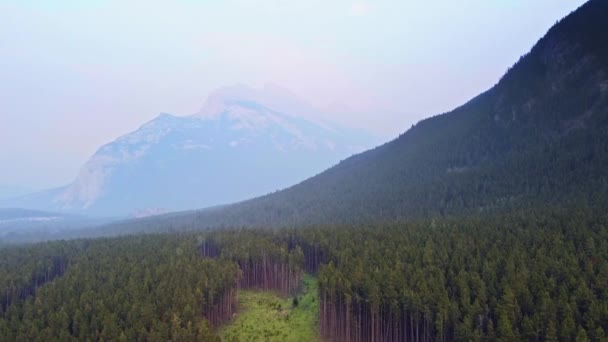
13,214
13,191
241,144
538,138
18,226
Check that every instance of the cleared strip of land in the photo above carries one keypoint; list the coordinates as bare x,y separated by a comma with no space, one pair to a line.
264,316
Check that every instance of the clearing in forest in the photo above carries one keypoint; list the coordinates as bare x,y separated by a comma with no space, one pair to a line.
264,316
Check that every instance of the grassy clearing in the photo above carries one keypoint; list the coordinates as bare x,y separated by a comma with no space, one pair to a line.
264,316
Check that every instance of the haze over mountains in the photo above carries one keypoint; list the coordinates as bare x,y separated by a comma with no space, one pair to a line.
539,137
242,143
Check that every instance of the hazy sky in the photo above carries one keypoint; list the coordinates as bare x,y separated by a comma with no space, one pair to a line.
77,74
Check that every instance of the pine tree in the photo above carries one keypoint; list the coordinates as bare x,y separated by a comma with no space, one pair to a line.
551,332
581,336
505,329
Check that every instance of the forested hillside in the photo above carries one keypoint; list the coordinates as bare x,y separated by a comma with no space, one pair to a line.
539,137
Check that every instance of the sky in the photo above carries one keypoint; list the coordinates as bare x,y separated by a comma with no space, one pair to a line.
77,74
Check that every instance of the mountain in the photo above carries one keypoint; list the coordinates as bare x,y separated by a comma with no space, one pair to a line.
538,138
242,143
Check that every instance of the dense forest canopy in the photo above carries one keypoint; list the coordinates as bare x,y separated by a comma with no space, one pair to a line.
530,275
139,288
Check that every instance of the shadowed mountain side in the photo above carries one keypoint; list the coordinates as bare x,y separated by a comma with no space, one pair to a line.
538,137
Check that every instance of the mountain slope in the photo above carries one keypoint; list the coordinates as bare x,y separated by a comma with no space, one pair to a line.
244,142
537,138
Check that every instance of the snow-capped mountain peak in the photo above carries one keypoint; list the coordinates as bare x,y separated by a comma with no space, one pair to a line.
242,143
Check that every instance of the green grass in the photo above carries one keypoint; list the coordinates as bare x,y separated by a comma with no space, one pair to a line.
264,316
